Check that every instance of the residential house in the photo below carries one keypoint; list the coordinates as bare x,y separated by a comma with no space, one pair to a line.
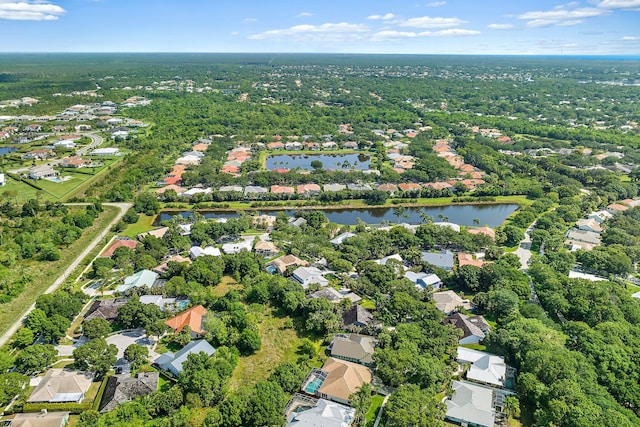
40,154
350,145
423,280
266,249
282,189
297,221
60,386
474,328
158,233
616,208
42,171
324,414
173,362
341,238
252,189
165,303
589,225
577,235
197,251
334,187
341,379
485,368
38,419
125,388
467,259
395,258
104,309
600,216
308,189
266,222
109,151
143,278
280,265
448,302
310,275
443,259
231,189
275,146
332,295
292,146
357,317
471,405
119,242
390,188
483,230
236,247
192,317
451,225
355,348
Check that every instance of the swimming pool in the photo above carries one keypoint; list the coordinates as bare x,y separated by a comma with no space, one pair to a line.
314,385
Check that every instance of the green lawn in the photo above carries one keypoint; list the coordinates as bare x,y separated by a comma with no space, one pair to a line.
279,344
372,413
22,191
145,223
43,274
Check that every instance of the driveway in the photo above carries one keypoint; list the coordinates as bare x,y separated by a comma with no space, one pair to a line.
123,340
524,250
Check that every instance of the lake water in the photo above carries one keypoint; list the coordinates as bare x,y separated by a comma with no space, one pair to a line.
7,150
489,215
333,162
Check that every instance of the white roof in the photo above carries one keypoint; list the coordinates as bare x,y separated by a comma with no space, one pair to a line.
324,414
197,251
451,225
341,238
234,248
471,403
173,362
485,367
579,275
384,260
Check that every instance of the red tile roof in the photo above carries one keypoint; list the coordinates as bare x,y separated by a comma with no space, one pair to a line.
192,317
126,243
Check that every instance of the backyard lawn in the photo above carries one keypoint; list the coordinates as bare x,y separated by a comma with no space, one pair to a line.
145,223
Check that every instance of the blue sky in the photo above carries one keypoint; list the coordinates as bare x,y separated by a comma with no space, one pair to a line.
593,27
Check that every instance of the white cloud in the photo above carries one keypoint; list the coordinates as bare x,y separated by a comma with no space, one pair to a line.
304,14
396,35
429,22
30,11
249,20
500,26
436,3
330,31
620,4
630,39
384,17
561,17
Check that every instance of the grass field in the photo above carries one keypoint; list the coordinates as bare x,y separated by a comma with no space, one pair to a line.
57,191
145,223
279,344
43,274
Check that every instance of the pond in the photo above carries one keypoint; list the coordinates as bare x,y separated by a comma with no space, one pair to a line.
7,150
329,161
489,215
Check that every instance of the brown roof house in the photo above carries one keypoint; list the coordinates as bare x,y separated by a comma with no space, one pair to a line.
192,317
38,419
279,265
355,348
474,328
59,386
448,302
357,317
124,388
337,380
104,309
266,249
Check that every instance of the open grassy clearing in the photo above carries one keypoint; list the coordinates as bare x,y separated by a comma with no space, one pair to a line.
42,274
279,344
145,223
372,413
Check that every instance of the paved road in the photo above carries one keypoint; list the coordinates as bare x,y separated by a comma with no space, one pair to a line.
60,280
96,140
524,250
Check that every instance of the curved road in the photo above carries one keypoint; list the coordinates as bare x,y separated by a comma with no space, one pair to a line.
60,280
